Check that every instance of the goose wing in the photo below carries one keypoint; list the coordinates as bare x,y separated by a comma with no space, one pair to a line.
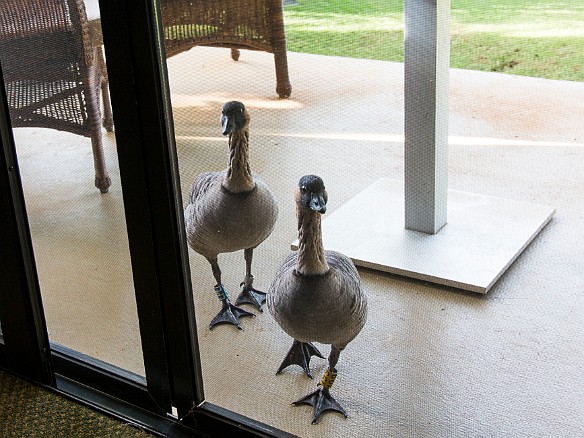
350,312
197,212
202,184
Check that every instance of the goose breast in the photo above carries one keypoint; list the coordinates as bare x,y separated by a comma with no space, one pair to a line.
329,309
218,221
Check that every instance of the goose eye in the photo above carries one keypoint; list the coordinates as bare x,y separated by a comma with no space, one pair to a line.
303,189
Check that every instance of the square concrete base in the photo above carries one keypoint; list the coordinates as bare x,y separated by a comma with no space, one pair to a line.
483,236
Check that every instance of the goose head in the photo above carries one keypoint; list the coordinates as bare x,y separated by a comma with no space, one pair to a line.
311,194
234,117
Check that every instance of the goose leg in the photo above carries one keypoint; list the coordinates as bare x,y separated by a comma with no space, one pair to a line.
321,399
229,314
300,354
248,294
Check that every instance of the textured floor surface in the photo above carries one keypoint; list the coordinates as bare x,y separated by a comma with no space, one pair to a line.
27,410
431,361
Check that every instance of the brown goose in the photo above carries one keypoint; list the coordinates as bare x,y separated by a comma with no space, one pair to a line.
231,210
316,296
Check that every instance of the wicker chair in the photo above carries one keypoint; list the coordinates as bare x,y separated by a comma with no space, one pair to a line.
53,75
236,24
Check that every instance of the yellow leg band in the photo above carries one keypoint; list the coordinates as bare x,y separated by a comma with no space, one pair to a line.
328,379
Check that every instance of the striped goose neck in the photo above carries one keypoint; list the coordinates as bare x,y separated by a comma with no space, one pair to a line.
311,258
238,178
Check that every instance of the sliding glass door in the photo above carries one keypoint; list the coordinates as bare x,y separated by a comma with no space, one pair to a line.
95,293
66,149
88,255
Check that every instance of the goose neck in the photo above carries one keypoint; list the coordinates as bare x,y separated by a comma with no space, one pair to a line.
311,256
239,177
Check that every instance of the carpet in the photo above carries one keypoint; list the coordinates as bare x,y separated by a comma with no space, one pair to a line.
27,410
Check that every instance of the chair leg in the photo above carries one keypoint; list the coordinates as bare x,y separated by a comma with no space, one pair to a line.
102,179
283,86
108,119
235,54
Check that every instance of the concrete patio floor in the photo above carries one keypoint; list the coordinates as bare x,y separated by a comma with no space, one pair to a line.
432,361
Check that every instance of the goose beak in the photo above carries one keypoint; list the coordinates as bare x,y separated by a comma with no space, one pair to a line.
317,203
226,124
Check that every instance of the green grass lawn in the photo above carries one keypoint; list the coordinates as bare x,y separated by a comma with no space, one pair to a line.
541,38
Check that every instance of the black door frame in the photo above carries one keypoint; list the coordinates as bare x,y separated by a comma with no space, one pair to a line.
140,107
25,342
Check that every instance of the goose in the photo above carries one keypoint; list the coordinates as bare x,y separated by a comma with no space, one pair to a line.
229,211
316,296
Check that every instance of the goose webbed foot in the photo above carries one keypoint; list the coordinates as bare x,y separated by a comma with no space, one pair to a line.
229,314
322,401
300,354
248,294
252,296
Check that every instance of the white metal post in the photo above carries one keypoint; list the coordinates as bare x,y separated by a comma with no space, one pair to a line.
427,62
